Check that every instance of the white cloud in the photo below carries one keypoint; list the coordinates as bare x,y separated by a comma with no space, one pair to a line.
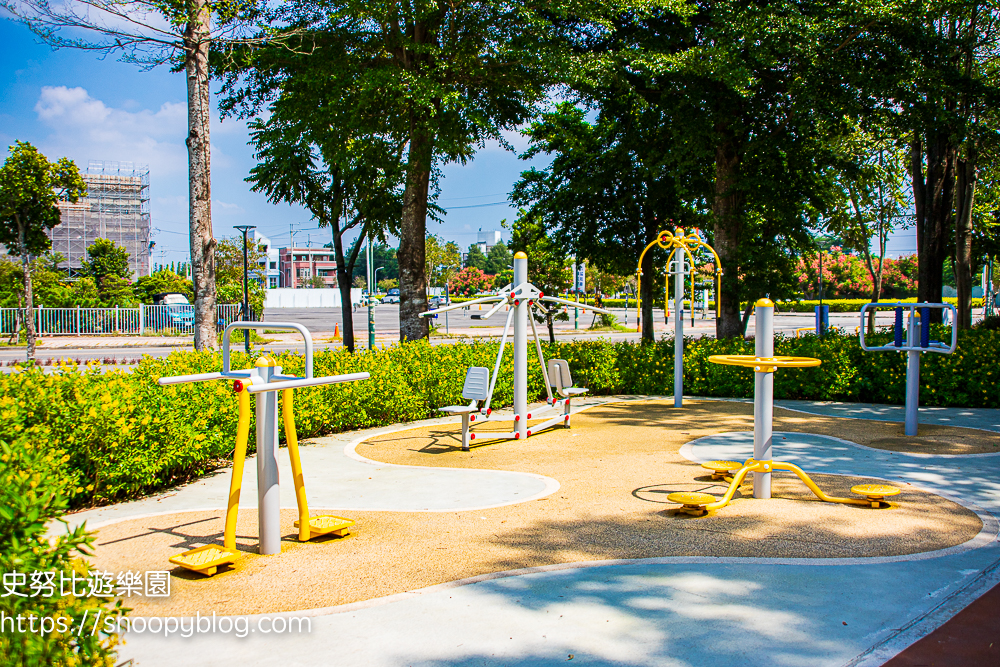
225,207
85,128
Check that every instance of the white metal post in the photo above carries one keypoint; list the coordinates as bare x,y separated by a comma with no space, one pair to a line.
521,348
268,493
763,403
678,328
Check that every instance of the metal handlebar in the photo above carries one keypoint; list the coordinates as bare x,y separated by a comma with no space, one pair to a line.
306,382
931,346
267,325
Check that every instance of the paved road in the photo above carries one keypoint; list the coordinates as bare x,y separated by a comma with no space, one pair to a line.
459,324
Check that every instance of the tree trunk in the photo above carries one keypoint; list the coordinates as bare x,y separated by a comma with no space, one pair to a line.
412,240
936,183
200,175
646,280
963,240
551,325
29,303
345,269
727,204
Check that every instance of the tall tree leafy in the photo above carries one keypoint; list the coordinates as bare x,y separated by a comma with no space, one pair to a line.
612,185
151,33
349,181
439,77
30,186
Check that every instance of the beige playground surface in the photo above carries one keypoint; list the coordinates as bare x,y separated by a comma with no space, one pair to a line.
615,468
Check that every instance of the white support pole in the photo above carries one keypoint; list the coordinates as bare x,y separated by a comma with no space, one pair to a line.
521,348
678,328
268,493
763,401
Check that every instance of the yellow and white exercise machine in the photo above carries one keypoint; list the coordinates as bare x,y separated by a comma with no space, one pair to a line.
764,364
686,243
520,296
266,380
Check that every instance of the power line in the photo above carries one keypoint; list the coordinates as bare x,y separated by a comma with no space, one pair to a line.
496,203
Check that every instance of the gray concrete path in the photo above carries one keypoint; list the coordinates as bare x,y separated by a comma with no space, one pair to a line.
669,611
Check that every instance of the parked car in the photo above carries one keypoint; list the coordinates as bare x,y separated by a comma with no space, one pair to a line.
175,312
437,302
392,296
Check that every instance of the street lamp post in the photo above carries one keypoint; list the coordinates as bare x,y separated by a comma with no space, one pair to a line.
246,294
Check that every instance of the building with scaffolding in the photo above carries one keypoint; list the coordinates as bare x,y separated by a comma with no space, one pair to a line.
116,207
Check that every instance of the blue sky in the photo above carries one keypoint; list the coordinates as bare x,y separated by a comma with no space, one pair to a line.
71,103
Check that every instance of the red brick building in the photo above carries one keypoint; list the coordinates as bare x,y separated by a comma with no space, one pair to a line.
300,265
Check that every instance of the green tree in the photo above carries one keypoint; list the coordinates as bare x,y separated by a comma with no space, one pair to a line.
164,280
475,257
179,33
548,265
229,273
613,184
30,186
106,258
443,260
108,266
873,203
349,181
439,78
498,260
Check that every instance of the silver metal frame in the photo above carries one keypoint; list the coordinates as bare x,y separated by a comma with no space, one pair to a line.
267,380
913,351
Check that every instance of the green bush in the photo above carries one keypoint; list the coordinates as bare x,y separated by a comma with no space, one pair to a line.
118,435
31,498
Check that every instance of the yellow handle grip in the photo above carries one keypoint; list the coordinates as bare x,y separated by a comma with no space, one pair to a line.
239,457
293,454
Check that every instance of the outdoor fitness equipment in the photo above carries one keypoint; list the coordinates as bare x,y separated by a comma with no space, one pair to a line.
677,241
764,363
520,296
918,339
266,379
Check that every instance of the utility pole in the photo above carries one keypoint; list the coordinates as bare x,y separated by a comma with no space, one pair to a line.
246,292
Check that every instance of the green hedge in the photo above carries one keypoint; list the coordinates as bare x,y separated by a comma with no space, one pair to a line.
30,500
118,435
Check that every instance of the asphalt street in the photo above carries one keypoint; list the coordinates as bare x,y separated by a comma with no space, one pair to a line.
458,325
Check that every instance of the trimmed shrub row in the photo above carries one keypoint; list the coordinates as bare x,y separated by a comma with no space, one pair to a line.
118,435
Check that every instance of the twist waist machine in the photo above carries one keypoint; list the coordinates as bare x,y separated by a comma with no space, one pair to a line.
917,329
519,297
265,379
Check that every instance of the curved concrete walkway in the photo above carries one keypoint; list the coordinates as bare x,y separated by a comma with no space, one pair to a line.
669,611
987,419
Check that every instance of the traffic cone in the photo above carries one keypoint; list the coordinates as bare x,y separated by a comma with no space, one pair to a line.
336,330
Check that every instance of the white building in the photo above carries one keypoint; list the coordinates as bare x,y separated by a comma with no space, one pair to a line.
270,267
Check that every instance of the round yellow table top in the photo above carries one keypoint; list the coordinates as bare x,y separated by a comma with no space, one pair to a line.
879,490
689,498
763,364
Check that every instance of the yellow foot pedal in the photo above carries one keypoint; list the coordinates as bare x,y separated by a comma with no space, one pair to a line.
206,560
876,493
720,469
328,525
692,503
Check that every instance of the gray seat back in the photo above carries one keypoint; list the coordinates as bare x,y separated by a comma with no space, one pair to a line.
559,376
477,384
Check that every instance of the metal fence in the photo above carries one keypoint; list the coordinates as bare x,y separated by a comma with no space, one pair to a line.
141,321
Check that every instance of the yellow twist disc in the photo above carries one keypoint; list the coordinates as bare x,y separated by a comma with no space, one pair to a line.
689,499
763,364
876,490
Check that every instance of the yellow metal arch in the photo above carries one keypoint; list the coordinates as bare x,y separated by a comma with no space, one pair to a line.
673,241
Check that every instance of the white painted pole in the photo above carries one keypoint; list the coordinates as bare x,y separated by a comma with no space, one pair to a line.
521,349
678,328
268,494
763,397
